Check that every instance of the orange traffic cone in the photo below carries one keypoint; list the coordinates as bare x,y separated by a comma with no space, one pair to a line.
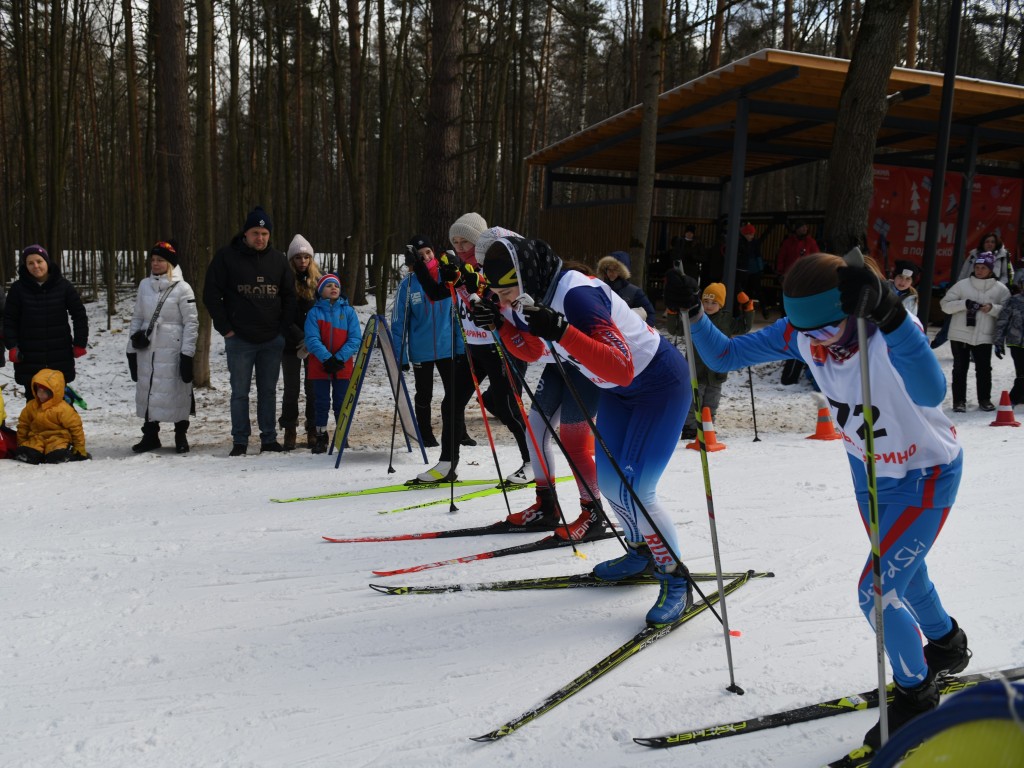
824,430
1004,414
710,441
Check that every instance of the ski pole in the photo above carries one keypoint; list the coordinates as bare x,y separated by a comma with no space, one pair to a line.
398,380
572,465
479,397
753,409
856,259
525,301
691,354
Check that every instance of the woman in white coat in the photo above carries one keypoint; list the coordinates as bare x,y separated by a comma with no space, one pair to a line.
161,345
974,304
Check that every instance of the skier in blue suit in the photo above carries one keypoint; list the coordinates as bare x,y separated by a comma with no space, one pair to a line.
917,455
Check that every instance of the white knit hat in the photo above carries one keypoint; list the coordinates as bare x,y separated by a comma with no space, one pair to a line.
488,237
468,226
300,245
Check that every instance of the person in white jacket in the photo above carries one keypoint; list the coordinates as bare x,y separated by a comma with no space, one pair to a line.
161,345
974,304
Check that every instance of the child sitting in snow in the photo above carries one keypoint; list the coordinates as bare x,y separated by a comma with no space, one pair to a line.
333,337
710,382
49,429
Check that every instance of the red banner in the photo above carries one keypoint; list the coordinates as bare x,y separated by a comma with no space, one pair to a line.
898,216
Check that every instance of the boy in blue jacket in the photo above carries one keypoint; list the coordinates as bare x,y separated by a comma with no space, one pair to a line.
333,337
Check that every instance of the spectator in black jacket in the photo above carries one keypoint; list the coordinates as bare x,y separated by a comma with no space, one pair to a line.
614,270
36,329
250,295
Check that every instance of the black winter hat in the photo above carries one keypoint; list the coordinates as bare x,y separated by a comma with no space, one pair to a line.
258,218
167,250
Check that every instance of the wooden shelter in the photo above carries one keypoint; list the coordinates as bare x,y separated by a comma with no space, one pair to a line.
770,111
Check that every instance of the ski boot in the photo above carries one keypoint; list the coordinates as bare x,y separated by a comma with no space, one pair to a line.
636,561
521,476
949,654
542,515
589,525
442,472
675,597
907,703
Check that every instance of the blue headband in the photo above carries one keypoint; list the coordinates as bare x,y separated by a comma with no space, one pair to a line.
809,312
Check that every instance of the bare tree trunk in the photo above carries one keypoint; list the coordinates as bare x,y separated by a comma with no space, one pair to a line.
912,23
651,45
437,203
862,107
787,25
844,40
717,28
205,236
173,112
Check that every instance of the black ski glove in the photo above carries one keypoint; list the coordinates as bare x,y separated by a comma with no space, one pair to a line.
472,279
682,293
133,365
486,315
140,340
449,271
185,368
881,304
1000,350
546,322
332,365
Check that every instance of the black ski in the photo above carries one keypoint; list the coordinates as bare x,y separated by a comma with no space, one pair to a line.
545,582
642,639
849,703
548,542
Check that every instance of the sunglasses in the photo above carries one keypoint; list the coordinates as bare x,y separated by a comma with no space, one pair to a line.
824,333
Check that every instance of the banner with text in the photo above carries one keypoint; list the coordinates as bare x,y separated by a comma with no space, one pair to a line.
899,214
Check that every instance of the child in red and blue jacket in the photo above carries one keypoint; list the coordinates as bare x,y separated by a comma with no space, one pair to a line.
333,337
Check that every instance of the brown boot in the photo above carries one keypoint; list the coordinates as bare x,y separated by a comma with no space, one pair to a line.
311,438
289,438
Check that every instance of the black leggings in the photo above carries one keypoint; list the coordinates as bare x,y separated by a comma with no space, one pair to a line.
498,398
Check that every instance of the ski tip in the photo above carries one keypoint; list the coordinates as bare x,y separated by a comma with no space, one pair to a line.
645,741
487,737
383,589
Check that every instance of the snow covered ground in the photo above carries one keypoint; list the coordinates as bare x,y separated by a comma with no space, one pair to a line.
160,610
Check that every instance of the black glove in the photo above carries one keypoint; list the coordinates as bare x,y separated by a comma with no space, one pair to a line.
486,315
140,340
880,304
412,256
546,322
185,368
972,312
1000,350
449,271
332,365
682,293
472,279
405,367
133,365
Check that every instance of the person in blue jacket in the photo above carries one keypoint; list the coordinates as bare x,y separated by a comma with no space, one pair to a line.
422,332
918,458
333,337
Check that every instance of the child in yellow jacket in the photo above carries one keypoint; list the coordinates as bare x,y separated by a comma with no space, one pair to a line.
49,430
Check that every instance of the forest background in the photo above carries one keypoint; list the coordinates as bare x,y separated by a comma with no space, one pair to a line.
359,123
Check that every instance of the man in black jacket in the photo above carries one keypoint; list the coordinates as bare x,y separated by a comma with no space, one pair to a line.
250,295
